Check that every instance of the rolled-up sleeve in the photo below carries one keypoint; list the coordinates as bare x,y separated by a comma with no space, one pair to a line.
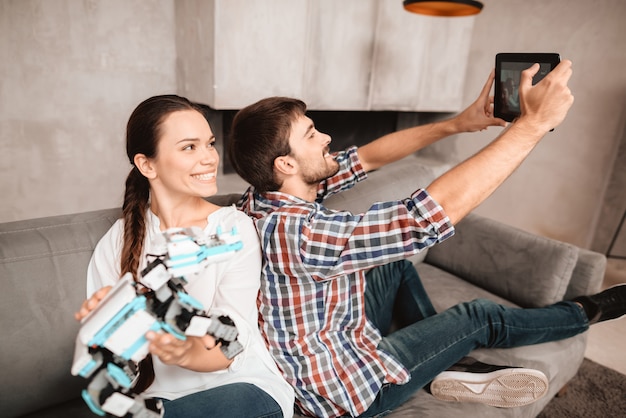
332,243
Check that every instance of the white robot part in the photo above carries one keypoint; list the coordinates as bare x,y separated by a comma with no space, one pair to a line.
111,340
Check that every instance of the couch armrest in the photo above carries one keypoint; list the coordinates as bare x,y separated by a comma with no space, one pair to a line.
527,269
588,274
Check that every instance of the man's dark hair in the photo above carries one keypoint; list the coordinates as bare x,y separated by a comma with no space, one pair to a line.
260,134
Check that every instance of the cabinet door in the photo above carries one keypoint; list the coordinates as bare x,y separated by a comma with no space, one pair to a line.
419,62
338,67
335,55
259,50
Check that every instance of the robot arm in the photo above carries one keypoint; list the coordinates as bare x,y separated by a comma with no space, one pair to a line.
112,339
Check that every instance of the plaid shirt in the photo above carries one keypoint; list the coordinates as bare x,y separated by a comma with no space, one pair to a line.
312,303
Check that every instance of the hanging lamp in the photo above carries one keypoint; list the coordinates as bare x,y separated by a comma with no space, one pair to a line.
443,7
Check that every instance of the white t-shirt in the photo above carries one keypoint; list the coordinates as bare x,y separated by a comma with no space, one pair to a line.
226,288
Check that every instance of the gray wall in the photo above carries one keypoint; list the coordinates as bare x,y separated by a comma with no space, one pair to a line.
71,71
559,190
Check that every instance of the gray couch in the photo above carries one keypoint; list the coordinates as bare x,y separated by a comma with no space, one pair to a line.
43,264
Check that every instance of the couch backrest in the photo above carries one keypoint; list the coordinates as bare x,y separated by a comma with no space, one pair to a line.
42,268
43,265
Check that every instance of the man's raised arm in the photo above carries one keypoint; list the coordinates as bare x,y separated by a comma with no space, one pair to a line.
397,145
543,107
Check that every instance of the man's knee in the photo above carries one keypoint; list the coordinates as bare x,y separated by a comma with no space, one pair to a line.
484,308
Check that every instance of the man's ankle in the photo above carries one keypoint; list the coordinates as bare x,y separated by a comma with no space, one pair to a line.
590,308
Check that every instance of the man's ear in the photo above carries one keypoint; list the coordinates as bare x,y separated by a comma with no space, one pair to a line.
144,165
285,165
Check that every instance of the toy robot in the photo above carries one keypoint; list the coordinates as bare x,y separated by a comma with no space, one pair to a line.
111,340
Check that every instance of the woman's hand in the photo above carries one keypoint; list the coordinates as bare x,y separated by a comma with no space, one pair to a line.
173,351
201,354
91,303
169,349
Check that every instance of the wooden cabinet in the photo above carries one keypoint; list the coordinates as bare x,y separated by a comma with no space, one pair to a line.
335,55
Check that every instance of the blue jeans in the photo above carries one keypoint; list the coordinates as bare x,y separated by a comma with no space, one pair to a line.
428,343
237,400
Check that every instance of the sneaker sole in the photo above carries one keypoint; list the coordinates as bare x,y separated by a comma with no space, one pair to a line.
506,388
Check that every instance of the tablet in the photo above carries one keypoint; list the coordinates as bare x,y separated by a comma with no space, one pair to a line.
509,67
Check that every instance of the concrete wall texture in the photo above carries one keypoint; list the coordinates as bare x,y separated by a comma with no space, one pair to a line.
559,190
71,71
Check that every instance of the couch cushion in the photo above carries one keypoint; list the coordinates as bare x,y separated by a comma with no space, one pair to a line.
588,274
43,263
531,270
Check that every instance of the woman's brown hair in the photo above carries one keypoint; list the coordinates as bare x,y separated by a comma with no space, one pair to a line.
142,137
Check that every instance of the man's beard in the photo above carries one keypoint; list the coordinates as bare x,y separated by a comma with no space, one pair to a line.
315,178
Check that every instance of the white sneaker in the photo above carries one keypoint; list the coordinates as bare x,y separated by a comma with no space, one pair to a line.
500,386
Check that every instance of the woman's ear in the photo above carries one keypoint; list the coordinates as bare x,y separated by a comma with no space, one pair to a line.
144,165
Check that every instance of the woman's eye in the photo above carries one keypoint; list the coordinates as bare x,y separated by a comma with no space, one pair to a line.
188,147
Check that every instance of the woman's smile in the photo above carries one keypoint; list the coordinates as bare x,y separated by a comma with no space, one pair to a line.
204,176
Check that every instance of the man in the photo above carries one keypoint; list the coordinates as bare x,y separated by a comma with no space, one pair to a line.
330,334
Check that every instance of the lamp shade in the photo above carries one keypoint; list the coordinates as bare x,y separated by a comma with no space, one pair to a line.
443,7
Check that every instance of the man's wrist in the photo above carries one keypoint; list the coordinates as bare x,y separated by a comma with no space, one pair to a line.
451,126
531,126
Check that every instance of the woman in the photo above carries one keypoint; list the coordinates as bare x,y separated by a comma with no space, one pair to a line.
171,147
